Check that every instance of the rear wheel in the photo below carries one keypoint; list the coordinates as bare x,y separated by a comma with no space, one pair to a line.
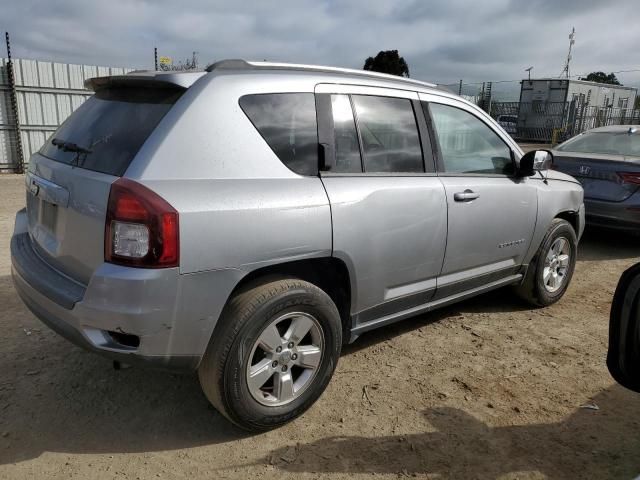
272,354
550,272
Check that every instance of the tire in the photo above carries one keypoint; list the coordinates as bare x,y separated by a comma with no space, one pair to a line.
243,342
538,290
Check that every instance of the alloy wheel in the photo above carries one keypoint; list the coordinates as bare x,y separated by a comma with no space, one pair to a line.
556,265
285,359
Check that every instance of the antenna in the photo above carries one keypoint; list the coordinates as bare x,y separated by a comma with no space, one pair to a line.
572,40
528,70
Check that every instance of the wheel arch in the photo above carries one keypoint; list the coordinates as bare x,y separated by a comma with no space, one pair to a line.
328,273
572,217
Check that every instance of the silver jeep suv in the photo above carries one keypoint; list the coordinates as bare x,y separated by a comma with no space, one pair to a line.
248,220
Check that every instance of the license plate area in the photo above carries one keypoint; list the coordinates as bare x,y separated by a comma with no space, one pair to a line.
43,216
33,210
48,216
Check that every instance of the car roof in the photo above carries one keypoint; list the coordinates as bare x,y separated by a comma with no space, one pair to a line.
242,68
184,79
237,64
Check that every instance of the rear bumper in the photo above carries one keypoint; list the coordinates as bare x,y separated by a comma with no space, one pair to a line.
95,340
618,215
173,315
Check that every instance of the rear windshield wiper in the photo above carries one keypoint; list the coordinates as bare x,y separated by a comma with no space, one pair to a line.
69,147
72,147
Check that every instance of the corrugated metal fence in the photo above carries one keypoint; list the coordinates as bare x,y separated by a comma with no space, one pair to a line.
46,94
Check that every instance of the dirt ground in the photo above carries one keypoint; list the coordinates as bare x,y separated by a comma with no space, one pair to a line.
485,389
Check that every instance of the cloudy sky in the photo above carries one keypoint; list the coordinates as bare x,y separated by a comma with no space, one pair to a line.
442,41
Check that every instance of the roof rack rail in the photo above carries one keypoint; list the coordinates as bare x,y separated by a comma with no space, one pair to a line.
228,64
239,64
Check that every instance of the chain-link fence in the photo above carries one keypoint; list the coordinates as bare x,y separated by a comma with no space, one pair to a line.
555,122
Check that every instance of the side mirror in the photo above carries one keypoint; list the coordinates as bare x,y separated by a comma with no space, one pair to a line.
623,358
533,161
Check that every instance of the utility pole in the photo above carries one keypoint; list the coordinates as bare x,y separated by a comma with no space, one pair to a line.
572,41
155,58
14,106
460,88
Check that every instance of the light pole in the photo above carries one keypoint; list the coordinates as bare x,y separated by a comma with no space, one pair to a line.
528,70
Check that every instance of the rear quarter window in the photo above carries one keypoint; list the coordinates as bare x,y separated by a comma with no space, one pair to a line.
110,128
287,122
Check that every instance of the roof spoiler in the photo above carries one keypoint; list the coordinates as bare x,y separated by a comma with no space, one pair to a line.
145,78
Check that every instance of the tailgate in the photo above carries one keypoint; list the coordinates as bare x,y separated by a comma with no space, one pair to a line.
66,208
69,180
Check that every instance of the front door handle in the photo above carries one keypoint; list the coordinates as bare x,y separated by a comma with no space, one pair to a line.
465,196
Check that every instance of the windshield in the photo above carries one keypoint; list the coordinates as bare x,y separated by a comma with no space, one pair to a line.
107,131
609,143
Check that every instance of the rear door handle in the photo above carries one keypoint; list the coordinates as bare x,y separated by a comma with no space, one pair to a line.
465,196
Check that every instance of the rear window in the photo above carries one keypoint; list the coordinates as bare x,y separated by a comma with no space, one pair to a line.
287,122
107,131
609,143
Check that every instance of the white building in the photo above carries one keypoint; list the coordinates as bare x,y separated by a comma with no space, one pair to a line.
556,108
556,90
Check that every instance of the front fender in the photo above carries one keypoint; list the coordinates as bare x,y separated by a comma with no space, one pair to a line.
556,198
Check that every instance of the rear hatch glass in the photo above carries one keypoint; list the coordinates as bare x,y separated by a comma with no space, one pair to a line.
107,131
606,143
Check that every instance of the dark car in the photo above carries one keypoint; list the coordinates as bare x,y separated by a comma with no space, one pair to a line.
606,161
623,358
508,122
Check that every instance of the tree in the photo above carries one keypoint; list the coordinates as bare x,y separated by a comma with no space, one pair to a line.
601,77
387,61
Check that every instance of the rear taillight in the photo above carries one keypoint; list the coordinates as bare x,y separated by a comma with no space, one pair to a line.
141,228
630,177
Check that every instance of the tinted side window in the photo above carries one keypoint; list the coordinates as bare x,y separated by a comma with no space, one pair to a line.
390,140
287,122
467,144
345,136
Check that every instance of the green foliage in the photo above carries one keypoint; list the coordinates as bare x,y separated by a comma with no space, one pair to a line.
387,61
602,77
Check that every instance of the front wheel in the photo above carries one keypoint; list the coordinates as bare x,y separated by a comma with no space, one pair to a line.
273,353
550,272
